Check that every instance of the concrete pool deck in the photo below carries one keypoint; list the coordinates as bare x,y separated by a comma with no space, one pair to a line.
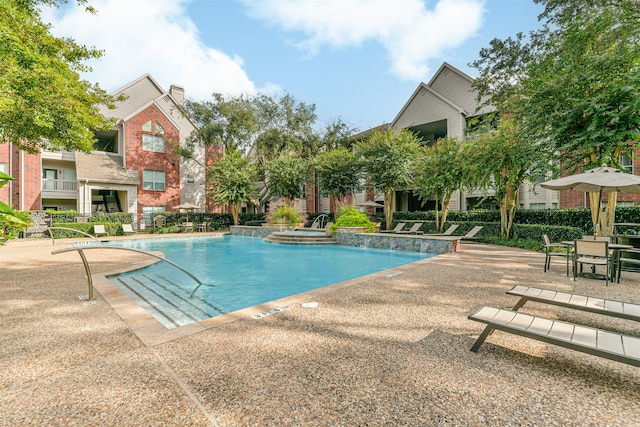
388,349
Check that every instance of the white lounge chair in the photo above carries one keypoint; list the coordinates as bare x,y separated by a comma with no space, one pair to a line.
128,229
98,230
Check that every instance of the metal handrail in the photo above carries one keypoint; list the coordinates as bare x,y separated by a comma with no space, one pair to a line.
321,220
53,240
88,269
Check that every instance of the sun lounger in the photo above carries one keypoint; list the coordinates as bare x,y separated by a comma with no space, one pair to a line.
98,230
415,229
471,235
448,232
128,229
598,342
396,229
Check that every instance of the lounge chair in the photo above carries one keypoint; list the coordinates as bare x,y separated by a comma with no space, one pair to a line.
396,229
128,229
448,232
415,229
98,230
471,235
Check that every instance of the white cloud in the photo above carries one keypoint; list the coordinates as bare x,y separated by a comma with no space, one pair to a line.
410,33
150,36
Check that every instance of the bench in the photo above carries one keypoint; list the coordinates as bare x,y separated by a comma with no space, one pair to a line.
624,310
597,342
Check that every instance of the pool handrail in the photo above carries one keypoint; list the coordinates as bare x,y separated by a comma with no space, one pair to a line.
53,240
87,268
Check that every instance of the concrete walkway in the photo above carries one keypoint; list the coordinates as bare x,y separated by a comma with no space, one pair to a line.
388,349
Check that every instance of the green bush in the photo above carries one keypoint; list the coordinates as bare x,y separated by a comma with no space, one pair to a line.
285,214
353,218
112,228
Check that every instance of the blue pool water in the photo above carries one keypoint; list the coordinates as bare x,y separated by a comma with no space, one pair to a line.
241,272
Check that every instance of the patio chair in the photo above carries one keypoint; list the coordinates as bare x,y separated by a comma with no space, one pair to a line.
187,226
549,251
448,232
396,229
415,229
627,260
593,253
98,230
128,229
471,235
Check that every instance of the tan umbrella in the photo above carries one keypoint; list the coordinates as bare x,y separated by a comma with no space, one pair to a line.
187,207
598,180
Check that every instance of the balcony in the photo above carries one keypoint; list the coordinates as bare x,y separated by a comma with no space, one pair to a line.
59,188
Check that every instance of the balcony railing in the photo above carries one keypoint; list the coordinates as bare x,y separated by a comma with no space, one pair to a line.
59,185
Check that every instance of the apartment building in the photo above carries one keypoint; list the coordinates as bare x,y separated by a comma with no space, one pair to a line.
442,107
135,167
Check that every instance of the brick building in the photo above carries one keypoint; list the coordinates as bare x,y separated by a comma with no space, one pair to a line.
134,168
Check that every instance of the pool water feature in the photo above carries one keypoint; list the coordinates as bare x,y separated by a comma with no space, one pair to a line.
241,272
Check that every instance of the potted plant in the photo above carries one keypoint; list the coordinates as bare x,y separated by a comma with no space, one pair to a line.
286,215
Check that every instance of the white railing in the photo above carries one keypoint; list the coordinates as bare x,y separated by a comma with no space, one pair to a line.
59,185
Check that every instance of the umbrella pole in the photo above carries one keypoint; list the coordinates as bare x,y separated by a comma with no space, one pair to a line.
596,226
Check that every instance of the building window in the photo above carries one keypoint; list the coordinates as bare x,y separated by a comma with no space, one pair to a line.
538,206
626,162
153,143
153,180
3,167
190,179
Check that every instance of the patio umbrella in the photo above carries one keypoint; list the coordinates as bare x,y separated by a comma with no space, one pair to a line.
598,180
371,203
187,207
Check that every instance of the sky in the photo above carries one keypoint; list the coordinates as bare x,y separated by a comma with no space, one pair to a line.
357,60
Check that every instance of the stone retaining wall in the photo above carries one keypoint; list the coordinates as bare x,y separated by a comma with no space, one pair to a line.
411,243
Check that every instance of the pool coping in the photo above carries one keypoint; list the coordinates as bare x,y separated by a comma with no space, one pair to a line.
152,332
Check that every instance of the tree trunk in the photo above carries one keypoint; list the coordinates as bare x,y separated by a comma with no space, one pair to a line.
235,210
445,211
389,205
438,227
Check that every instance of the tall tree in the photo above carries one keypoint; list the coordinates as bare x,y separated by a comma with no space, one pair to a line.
228,121
438,172
388,161
339,172
41,93
502,160
232,179
285,177
574,84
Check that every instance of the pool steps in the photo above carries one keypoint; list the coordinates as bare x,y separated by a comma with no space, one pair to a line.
152,292
302,238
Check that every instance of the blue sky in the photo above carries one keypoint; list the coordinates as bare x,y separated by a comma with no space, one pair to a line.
357,60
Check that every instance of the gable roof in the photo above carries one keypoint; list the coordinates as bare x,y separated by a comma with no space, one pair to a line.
420,90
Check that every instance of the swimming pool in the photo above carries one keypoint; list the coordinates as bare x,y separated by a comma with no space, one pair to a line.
241,272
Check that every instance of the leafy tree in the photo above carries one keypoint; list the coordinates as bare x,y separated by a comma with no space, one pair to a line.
286,126
388,161
501,160
228,121
438,172
41,93
232,180
286,176
574,84
339,172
